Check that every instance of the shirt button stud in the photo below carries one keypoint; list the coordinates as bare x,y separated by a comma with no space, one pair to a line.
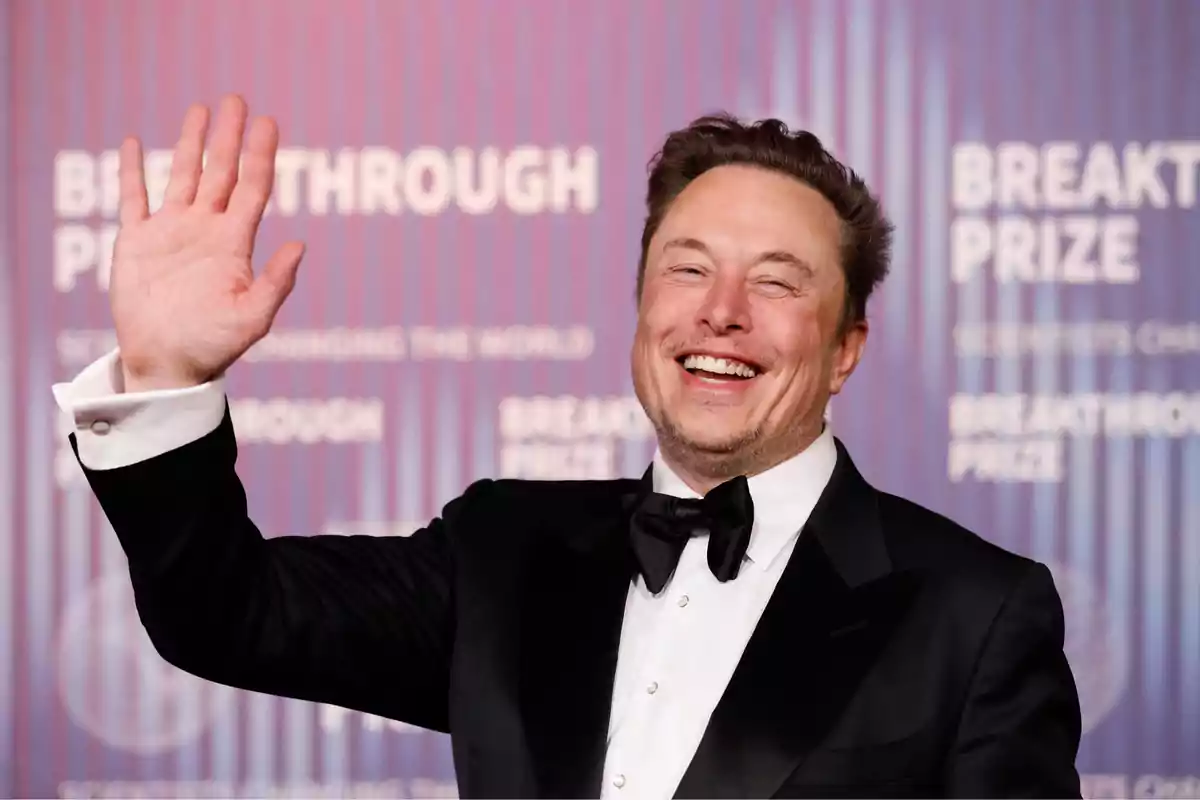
683,601
619,781
101,427
652,688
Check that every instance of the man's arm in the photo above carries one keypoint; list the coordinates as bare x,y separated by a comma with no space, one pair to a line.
1020,730
355,621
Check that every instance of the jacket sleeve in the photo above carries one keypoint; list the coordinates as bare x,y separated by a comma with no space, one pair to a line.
355,621
1020,730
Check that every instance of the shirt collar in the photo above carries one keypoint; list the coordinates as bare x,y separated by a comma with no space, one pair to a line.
783,495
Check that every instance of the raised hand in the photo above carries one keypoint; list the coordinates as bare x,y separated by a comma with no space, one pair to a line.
185,300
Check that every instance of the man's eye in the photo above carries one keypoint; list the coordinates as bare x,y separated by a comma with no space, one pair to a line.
775,288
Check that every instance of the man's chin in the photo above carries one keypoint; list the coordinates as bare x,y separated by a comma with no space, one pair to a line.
713,440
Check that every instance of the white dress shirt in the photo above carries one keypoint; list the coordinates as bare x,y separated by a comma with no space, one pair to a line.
678,649
114,429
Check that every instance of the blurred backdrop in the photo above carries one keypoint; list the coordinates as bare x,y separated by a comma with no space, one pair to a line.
468,176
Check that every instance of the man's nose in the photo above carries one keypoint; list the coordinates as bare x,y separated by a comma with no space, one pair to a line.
726,306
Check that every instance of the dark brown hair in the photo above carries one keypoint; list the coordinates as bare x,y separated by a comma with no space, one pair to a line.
719,139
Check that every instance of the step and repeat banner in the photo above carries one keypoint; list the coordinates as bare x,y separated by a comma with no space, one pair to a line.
469,177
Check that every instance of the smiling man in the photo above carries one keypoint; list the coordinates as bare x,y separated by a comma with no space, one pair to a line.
747,323
749,619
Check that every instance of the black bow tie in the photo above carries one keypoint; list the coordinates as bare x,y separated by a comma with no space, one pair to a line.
661,525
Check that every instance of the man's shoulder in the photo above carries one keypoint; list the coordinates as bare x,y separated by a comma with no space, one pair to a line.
520,504
921,539
521,491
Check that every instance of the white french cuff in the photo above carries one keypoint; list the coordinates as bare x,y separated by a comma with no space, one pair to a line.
116,429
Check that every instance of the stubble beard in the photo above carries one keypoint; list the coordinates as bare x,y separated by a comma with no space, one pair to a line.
717,460
748,453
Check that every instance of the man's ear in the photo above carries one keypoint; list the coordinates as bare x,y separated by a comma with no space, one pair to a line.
848,353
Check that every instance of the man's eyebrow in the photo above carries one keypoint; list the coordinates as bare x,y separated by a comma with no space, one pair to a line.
687,243
777,256
784,257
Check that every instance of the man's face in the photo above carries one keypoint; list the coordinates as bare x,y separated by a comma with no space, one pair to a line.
738,347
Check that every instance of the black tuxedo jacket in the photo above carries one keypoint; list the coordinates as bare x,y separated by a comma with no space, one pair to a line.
899,655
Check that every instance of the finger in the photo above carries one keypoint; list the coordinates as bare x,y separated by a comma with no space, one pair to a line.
220,171
249,198
273,284
133,205
185,164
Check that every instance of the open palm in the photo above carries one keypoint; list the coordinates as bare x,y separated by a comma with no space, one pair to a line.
185,299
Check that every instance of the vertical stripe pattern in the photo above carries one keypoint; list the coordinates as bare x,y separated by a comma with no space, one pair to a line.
435,160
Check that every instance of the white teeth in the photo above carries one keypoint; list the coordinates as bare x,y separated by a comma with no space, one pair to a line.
720,366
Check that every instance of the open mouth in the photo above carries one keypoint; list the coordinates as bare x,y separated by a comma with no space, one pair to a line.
716,368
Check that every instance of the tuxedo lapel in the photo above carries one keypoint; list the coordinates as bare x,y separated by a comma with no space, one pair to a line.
825,625
571,630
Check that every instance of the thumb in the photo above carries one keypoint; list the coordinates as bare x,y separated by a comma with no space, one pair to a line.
274,283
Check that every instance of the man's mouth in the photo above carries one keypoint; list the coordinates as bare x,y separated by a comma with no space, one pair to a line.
718,368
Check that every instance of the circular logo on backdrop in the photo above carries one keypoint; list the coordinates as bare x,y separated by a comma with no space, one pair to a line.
114,684
1096,645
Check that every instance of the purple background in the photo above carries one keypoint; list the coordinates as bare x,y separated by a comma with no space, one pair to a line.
891,86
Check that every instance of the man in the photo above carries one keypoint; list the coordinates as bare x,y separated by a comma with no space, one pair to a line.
794,632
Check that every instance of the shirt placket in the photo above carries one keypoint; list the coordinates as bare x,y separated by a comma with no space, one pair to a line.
645,729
